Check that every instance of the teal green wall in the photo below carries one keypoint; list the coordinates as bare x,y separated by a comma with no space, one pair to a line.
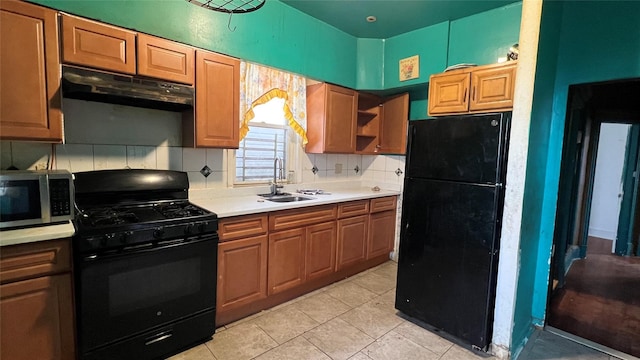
285,38
369,64
429,43
478,39
483,38
597,41
276,35
531,240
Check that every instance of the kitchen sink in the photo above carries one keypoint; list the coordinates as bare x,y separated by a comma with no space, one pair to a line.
288,198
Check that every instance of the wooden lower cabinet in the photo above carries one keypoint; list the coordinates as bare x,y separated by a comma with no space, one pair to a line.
36,304
286,260
320,257
352,241
242,272
300,250
37,319
382,231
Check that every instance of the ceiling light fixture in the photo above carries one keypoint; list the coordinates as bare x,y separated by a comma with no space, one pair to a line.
371,18
230,6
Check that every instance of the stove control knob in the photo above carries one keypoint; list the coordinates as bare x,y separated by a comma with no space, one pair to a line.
158,233
188,229
202,226
124,237
107,239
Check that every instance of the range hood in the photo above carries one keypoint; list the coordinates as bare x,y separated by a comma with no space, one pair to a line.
128,90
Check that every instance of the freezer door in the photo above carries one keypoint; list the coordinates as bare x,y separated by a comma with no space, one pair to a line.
448,257
461,148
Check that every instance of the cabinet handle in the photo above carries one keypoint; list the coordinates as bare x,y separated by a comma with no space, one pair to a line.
473,93
464,97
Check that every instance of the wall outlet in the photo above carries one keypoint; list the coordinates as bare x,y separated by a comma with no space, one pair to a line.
41,166
338,169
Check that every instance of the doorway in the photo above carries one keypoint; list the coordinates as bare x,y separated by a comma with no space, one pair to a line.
595,286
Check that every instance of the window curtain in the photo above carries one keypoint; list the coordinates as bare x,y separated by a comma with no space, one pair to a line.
259,84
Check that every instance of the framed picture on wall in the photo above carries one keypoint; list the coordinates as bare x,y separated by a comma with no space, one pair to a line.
410,68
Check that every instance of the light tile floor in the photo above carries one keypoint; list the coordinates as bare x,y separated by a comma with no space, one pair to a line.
353,319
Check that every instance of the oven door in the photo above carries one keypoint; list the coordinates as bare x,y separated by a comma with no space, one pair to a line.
125,294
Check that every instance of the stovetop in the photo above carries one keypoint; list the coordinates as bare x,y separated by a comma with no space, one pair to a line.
105,216
106,227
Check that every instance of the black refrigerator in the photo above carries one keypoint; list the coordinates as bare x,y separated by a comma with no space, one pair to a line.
451,219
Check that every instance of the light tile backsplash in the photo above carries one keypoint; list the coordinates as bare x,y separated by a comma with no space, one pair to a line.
105,136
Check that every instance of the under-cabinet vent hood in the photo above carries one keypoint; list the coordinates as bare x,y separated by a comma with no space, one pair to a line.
128,90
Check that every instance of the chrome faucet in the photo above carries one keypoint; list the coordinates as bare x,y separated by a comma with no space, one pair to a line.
278,174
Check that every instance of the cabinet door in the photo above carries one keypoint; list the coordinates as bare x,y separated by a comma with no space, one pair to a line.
382,232
448,93
340,122
98,45
286,260
217,100
492,88
320,259
36,318
30,73
242,272
352,241
164,59
393,129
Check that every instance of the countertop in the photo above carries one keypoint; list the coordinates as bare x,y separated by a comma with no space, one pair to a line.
39,233
222,206
253,204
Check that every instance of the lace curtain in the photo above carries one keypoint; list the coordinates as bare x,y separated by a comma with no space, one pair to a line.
259,84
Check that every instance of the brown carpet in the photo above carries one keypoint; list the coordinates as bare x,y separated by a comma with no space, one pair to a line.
601,301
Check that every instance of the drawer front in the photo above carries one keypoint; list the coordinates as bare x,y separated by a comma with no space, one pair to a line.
353,208
98,45
164,59
383,204
34,259
242,226
296,218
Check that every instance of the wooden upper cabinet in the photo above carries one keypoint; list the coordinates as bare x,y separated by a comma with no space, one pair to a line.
473,90
97,45
448,93
30,73
164,59
492,88
382,124
331,119
217,106
393,128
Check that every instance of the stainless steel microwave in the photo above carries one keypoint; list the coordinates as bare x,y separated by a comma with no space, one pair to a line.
35,197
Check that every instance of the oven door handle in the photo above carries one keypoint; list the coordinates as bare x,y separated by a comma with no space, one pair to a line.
150,247
158,337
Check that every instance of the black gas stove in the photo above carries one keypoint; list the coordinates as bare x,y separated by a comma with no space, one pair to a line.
122,208
119,226
145,265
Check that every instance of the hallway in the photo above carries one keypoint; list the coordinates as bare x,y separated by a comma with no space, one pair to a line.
601,299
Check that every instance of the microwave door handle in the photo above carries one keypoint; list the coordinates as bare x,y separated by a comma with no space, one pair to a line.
45,203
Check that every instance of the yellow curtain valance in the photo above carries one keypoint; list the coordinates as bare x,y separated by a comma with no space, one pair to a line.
260,84
273,93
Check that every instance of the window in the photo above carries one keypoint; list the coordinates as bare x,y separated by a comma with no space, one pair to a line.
269,137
